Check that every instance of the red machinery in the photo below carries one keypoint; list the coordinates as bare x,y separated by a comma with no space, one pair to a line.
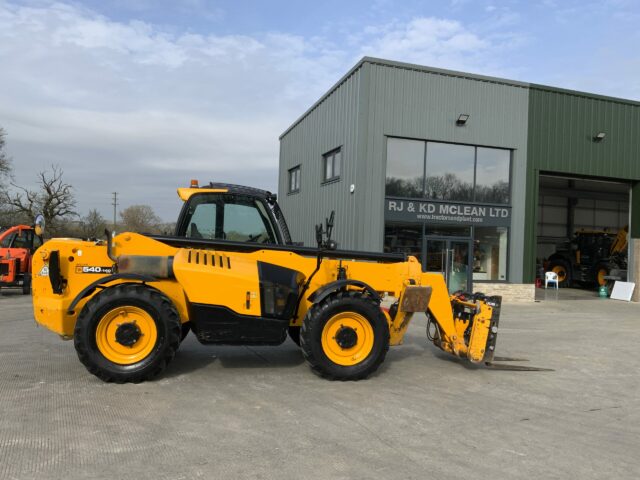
17,245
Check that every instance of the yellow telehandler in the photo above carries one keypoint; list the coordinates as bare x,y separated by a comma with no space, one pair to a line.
231,275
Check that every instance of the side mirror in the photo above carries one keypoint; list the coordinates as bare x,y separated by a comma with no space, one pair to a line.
39,225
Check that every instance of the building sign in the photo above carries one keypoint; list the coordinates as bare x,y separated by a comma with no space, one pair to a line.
429,211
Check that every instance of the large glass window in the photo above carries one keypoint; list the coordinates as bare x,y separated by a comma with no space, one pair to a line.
405,167
449,172
490,253
403,238
492,175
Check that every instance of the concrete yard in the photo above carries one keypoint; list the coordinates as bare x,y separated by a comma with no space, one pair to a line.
237,412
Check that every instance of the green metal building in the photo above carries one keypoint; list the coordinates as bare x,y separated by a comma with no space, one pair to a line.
479,177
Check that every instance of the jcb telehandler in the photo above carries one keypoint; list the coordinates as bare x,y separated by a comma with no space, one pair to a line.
232,276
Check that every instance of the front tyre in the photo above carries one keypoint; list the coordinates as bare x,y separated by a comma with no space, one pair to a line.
563,270
26,284
294,334
345,336
127,333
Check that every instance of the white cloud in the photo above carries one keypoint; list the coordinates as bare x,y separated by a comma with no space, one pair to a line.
435,42
139,108
115,103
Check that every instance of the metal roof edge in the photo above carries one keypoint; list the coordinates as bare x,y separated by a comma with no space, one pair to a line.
444,71
578,93
453,73
504,81
343,79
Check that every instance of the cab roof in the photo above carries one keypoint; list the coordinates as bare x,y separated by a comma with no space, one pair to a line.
217,187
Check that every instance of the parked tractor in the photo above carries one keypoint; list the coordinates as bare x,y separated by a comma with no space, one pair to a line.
231,275
589,257
17,245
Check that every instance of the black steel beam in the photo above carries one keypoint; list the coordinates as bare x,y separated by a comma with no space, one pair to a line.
248,247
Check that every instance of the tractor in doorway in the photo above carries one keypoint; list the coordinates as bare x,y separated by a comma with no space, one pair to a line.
231,275
588,258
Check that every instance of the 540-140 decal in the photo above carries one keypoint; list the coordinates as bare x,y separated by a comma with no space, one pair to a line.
92,269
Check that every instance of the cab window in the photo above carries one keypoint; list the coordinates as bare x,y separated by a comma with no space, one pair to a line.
6,241
23,240
203,221
238,218
37,242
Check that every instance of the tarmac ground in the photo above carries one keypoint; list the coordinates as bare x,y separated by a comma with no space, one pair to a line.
259,412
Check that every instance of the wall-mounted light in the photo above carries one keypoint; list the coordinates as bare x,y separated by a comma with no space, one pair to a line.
599,137
462,119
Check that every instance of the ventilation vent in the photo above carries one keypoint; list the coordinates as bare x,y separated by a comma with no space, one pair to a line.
208,258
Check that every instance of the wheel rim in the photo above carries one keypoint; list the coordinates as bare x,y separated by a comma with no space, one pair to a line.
601,274
561,272
347,338
126,335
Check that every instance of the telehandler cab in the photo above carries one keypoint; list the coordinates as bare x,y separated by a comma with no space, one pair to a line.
232,276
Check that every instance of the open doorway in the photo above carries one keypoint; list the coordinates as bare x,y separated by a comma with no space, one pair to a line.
582,230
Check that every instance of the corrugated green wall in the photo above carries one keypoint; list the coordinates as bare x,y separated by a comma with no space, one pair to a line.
562,125
406,101
331,123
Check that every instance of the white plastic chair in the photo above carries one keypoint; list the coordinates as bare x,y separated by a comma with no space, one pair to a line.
550,277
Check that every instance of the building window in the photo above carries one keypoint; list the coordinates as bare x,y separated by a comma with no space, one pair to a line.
294,179
405,168
490,253
332,165
447,172
404,238
492,175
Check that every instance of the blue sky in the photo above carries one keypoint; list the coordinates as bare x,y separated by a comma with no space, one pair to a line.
140,96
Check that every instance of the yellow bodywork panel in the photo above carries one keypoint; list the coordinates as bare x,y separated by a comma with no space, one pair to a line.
185,193
81,263
480,333
219,278
209,277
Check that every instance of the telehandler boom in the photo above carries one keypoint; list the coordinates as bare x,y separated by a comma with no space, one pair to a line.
232,276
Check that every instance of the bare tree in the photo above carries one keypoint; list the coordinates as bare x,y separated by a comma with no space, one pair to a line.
5,162
54,199
141,219
93,224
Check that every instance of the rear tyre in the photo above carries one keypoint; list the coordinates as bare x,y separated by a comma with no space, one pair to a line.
345,336
561,268
127,333
185,328
294,334
26,284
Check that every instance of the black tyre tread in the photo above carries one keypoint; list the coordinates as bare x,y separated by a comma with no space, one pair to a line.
567,267
142,292
314,315
185,328
26,284
294,334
